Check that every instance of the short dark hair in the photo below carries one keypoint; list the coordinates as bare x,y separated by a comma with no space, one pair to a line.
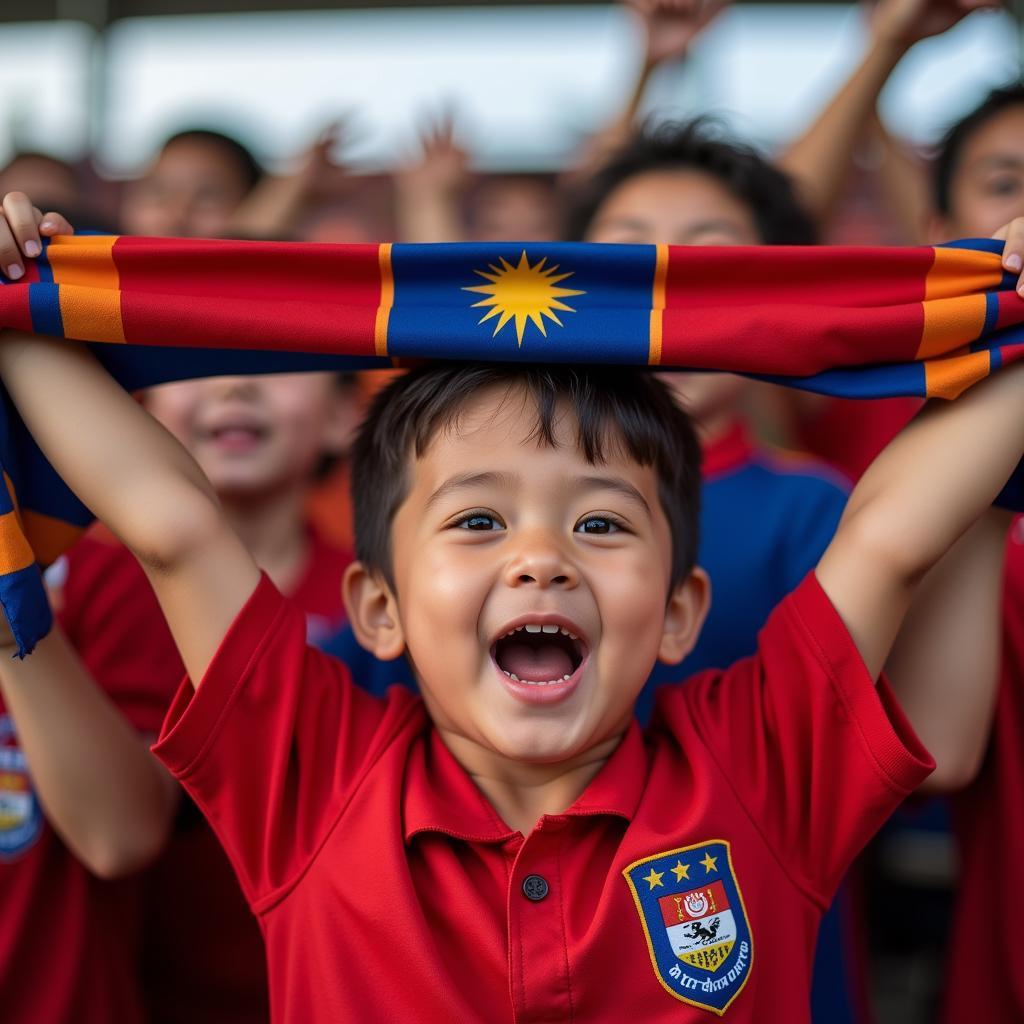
249,170
612,405
951,146
699,145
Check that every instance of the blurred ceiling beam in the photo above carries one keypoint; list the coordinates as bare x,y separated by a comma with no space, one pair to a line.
100,13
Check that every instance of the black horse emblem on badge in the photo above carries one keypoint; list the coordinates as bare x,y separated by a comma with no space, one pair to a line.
704,935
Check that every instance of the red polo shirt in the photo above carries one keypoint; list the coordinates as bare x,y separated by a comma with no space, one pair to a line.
68,940
692,871
984,976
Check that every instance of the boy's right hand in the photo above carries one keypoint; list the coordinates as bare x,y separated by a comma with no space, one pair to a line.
22,227
1013,252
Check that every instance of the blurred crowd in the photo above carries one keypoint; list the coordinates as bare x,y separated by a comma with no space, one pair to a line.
844,180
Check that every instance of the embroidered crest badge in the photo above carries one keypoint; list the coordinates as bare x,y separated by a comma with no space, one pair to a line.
21,818
695,923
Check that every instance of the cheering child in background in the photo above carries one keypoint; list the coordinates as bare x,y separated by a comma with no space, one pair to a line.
978,180
260,440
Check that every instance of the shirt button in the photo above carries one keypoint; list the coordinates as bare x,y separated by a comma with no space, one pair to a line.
535,888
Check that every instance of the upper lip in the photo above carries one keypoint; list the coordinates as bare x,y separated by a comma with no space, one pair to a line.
544,619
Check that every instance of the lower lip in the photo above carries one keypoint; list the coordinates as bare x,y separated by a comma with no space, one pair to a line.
551,693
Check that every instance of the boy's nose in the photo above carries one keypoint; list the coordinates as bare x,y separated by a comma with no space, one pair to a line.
543,564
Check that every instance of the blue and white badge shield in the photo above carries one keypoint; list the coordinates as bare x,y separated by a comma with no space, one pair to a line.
695,923
21,817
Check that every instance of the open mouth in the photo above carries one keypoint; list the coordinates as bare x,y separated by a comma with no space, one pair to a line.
539,654
236,434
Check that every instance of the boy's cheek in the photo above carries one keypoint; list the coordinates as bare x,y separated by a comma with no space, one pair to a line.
632,615
443,603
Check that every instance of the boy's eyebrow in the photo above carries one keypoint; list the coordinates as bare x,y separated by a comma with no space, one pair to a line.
611,483
1000,160
463,480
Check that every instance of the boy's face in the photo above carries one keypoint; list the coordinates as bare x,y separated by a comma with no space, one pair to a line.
254,436
514,210
191,191
682,207
987,187
499,535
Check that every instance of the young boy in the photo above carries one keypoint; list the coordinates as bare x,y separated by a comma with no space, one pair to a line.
193,189
978,181
509,847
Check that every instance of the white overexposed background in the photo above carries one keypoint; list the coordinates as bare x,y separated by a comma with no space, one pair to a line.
526,82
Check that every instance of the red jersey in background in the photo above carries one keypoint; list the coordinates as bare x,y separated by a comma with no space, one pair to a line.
985,976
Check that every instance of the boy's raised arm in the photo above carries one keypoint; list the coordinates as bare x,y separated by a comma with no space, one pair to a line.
140,482
125,466
107,796
944,666
920,495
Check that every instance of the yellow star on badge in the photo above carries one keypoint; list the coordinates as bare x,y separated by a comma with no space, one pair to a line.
654,878
681,871
710,863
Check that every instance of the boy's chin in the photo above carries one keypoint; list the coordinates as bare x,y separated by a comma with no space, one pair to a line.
540,744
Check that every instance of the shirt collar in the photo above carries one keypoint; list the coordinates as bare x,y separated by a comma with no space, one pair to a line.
727,451
618,786
439,796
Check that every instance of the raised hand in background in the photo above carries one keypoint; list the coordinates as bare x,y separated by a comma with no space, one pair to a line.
429,188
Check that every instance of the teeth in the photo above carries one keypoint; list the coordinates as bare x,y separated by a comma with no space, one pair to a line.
533,627
536,682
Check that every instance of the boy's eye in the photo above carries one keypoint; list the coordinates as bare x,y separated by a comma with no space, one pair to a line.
1003,186
479,521
597,525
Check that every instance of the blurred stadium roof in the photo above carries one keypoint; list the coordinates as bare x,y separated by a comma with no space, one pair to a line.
102,12
527,79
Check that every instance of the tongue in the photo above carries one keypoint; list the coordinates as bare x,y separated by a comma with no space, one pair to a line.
539,663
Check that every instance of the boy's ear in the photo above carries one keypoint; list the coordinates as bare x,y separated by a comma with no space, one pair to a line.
373,611
687,609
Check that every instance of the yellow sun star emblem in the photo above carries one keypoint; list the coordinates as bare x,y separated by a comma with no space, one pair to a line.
521,293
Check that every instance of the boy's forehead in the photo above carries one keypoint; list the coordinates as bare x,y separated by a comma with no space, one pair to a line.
498,431
677,206
497,419
1000,136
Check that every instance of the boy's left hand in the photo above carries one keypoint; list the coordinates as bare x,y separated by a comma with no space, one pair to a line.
1013,251
21,227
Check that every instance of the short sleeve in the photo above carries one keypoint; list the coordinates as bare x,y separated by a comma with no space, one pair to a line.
817,754
274,741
